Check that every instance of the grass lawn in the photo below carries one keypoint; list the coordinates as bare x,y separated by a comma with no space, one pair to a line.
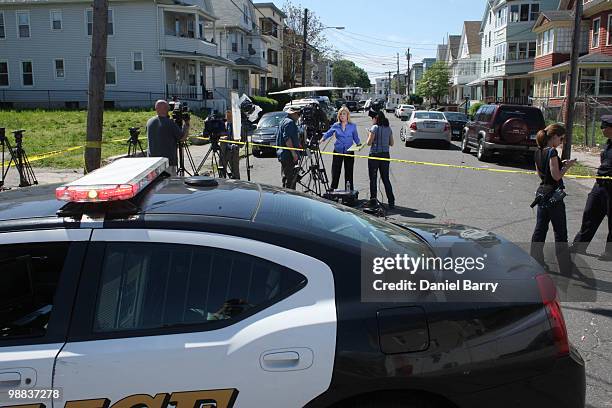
50,130
581,170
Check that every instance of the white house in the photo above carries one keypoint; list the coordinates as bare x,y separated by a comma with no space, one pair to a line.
240,41
272,24
156,49
508,49
465,69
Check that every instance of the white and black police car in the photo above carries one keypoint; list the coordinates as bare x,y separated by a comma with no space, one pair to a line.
129,289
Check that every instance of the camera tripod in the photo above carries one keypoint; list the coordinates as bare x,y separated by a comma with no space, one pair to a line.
19,157
216,158
134,144
312,175
183,150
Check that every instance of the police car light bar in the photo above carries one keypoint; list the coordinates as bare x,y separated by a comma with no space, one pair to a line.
120,180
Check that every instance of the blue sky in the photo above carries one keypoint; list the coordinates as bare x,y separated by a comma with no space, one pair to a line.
418,24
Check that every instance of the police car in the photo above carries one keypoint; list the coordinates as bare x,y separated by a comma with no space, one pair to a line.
129,288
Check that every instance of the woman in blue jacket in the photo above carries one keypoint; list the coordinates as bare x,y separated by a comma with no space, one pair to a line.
346,134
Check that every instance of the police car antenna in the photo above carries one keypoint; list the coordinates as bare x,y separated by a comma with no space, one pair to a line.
18,157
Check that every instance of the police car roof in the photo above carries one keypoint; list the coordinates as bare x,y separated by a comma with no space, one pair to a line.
230,199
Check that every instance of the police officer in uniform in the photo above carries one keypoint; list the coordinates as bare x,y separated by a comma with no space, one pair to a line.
599,202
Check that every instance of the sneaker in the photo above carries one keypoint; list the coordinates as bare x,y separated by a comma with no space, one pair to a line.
372,203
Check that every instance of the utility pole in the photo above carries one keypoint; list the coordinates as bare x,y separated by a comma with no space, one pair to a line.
304,49
397,85
573,82
97,82
408,72
389,85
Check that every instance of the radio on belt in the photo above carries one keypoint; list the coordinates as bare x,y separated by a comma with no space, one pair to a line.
119,180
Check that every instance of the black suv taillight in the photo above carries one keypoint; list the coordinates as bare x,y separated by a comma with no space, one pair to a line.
548,293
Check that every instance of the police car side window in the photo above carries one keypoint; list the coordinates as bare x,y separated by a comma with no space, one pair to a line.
152,286
29,276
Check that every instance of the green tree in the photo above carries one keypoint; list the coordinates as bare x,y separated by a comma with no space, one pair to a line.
435,82
346,73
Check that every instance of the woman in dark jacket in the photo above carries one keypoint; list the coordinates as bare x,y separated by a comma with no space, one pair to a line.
550,211
380,138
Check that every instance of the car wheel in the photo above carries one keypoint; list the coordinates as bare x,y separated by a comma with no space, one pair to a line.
482,154
465,146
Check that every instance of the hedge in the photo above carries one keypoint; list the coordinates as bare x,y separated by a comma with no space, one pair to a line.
266,104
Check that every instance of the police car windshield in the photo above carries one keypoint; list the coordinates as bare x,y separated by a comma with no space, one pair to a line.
270,120
321,218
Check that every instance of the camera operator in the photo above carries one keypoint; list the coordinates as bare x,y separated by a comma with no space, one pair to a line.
164,135
287,136
230,152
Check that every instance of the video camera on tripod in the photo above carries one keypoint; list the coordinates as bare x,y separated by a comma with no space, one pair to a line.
18,157
180,112
313,122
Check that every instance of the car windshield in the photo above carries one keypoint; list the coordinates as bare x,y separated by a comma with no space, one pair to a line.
532,116
456,116
271,120
319,218
429,115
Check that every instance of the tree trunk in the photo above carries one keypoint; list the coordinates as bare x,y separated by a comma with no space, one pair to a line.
97,82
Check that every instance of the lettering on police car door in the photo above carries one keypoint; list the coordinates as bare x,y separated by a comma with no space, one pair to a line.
187,399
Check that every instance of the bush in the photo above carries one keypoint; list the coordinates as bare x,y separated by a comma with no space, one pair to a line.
266,104
474,107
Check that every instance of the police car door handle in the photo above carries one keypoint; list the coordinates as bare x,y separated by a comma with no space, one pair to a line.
288,356
10,379
292,359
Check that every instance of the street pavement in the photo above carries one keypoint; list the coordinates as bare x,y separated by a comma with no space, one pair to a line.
497,202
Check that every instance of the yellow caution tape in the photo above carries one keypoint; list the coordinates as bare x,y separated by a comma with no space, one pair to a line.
53,153
391,160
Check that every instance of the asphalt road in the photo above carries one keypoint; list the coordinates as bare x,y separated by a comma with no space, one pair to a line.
497,202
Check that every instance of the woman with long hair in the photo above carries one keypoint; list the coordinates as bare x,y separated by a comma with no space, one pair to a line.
551,210
380,138
346,134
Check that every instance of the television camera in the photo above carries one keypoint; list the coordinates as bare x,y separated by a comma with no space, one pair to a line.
180,112
134,145
18,157
214,128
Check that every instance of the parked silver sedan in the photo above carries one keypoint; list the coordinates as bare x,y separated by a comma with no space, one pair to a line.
426,125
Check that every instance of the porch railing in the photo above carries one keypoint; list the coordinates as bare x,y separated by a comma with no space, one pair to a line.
512,100
182,91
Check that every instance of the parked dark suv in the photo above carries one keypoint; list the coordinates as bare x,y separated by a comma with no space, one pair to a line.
352,106
503,128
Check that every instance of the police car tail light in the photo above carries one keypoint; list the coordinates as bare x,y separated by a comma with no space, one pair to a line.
121,180
548,292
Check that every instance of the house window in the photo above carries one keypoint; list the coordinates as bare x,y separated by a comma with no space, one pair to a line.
514,13
512,51
235,84
27,73
201,31
137,61
56,20
2,32
555,85
110,28
524,12
522,51
190,28
4,74
58,68
192,75
588,79
235,47
562,84
535,11
605,82
532,49
595,37
23,24
609,37
272,57
489,38
111,71
500,21
245,12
